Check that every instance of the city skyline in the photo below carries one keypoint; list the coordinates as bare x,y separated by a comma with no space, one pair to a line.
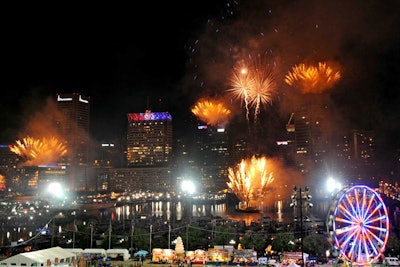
130,66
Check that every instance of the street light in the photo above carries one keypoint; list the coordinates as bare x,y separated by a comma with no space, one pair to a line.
301,199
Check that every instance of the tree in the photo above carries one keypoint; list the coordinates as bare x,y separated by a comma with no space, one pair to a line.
141,238
393,244
316,244
253,240
283,242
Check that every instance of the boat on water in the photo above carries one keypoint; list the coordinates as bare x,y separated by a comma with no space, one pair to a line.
248,210
96,203
245,207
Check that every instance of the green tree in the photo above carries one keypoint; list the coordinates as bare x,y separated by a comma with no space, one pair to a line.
393,244
198,238
283,242
316,244
141,239
253,240
222,235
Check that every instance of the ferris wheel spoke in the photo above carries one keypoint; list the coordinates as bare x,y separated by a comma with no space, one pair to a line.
352,209
378,240
372,227
346,212
374,211
372,244
360,224
344,220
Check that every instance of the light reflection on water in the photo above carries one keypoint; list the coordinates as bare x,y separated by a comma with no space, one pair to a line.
177,211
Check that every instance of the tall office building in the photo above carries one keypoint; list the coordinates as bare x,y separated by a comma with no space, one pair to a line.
74,129
311,124
213,156
149,139
148,154
356,152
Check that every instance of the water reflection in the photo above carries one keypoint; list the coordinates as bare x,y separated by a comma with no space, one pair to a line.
279,211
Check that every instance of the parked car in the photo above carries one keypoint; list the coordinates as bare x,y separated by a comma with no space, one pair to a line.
391,261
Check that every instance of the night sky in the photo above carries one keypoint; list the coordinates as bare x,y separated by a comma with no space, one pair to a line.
164,56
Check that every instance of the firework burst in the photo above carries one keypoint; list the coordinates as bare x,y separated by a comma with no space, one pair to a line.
39,151
250,179
253,83
211,112
313,79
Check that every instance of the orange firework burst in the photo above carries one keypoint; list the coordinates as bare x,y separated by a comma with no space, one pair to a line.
313,79
211,112
250,179
39,151
253,83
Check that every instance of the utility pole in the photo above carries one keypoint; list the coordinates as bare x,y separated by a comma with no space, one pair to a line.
299,201
151,230
132,232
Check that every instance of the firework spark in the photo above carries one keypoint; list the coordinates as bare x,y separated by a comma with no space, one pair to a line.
211,112
39,151
253,83
250,179
313,79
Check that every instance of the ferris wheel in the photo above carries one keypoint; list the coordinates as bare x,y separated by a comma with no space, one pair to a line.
358,224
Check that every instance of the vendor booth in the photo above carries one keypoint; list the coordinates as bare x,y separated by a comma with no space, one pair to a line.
161,255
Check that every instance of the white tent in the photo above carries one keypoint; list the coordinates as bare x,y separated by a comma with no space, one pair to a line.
94,253
44,257
77,251
115,252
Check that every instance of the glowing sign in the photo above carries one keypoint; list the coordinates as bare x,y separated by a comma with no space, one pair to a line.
149,116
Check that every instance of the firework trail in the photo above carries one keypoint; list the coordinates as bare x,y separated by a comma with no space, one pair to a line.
263,86
250,179
211,112
313,79
241,82
39,151
253,83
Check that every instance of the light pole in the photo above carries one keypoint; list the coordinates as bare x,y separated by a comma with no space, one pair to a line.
109,235
132,232
169,236
73,235
91,235
151,230
299,201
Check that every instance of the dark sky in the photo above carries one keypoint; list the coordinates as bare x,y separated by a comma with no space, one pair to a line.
165,55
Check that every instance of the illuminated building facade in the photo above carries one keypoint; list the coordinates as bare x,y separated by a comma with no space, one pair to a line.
148,153
149,139
311,129
356,153
108,156
213,156
74,129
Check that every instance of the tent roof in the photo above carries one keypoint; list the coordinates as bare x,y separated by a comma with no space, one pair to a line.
117,250
95,250
39,256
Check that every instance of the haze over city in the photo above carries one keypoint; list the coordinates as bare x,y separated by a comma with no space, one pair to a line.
182,53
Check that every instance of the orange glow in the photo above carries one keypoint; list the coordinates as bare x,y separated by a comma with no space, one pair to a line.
39,151
253,83
313,79
211,112
250,179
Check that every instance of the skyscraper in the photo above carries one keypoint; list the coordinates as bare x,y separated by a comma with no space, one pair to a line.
149,139
74,129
